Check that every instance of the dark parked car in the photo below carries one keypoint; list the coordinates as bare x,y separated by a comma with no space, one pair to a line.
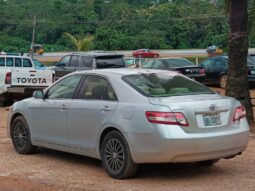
88,61
216,69
180,65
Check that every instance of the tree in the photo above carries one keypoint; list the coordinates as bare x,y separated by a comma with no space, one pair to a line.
237,82
80,44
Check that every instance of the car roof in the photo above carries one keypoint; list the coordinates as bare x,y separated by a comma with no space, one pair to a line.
172,58
126,71
13,56
97,54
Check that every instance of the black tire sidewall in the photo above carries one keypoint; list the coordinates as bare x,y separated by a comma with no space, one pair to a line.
28,147
127,157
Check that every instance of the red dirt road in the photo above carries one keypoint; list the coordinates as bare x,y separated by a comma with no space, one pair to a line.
49,170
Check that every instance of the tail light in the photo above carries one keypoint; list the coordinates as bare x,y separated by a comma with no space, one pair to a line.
169,118
8,78
239,113
202,71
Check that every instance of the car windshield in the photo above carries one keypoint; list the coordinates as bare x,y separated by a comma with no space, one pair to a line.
165,85
169,63
110,62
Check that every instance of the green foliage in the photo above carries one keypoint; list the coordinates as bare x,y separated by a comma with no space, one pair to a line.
115,24
80,44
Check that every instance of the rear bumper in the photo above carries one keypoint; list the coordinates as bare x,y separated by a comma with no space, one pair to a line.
23,89
178,146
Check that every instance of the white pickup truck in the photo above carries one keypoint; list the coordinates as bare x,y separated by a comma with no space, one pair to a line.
19,77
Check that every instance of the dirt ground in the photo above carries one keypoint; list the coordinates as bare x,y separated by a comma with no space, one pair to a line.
49,170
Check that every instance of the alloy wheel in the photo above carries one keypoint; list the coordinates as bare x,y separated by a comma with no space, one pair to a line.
114,155
20,135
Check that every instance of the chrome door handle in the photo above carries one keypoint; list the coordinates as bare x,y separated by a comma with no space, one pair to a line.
106,108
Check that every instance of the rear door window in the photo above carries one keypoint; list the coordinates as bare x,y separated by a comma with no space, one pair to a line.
85,61
18,62
94,87
9,62
2,61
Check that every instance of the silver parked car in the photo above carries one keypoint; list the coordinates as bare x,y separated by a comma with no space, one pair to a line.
126,117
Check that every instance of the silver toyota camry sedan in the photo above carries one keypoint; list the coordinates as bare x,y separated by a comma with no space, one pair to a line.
126,117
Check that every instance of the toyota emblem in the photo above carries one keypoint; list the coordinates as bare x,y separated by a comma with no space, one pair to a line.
212,107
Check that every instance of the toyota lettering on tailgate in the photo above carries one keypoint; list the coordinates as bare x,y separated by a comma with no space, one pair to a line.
32,80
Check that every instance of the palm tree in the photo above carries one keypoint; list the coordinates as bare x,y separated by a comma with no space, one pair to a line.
238,43
80,44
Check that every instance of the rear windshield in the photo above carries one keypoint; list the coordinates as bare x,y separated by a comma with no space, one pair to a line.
169,63
165,85
110,62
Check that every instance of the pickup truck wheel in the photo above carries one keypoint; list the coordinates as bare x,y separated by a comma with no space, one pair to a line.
223,81
115,156
20,136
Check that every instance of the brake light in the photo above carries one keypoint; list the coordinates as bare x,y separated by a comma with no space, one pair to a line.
239,113
202,71
169,118
8,78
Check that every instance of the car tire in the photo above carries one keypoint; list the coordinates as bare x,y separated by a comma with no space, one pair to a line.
223,81
20,136
156,55
116,157
208,162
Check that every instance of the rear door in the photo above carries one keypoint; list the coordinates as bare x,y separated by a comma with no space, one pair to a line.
92,109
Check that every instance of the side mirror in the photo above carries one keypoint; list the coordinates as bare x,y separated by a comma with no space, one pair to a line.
61,64
38,94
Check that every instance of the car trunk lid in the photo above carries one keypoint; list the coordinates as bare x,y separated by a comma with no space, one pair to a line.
204,113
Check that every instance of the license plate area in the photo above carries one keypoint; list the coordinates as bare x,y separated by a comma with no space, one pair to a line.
211,119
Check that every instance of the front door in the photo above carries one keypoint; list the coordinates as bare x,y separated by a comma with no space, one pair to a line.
49,115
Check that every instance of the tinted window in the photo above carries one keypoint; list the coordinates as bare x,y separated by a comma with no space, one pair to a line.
169,63
74,61
85,61
38,64
95,87
157,64
110,94
110,62
208,62
27,63
2,62
18,62
64,60
9,62
164,85
65,88
220,63
148,64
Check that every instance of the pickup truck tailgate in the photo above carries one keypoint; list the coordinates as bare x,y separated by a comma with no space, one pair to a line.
32,77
